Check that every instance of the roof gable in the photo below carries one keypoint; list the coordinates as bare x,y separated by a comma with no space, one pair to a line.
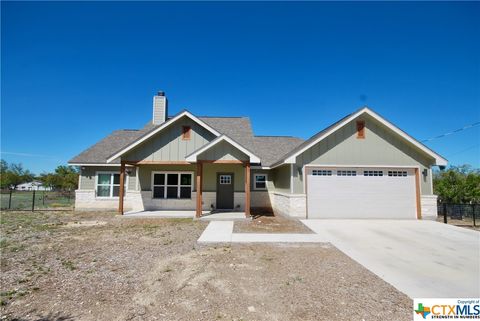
158,129
223,138
290,158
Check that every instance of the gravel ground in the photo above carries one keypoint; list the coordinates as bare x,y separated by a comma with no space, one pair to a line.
98,266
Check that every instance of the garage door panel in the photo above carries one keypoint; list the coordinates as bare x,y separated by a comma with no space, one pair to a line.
361,196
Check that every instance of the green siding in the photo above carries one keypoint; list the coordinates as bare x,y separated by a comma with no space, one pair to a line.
380,147
87,176
209,175
145,173
223,151
270,178
168,145
282,178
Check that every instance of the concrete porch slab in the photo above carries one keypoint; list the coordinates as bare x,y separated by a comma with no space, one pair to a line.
223,216
161,214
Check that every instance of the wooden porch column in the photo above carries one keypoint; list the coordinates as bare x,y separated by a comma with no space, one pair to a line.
199,188
247,189
122,188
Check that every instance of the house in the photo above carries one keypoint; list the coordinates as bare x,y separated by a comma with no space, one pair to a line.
33,186
362,166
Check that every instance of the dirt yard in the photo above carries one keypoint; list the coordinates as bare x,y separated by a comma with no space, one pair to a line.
98,266
270,224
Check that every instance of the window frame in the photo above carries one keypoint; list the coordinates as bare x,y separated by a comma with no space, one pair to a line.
255,188
322,172
186,132
346,172
166,185
373,173
112,173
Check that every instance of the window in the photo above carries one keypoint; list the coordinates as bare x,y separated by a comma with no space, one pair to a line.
372,173
397,173
346,173
108,184
225,179
260,181
172,184
360,129
321,172
186,132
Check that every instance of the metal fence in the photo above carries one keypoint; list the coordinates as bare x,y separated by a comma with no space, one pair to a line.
463,214
36,200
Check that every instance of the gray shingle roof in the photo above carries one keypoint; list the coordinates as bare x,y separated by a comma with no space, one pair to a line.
314,137
269,148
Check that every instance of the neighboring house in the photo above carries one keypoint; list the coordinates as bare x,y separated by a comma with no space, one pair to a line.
32,186
362,166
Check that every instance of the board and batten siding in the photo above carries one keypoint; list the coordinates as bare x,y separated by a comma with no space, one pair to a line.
380,147
223,151
87,176
168,145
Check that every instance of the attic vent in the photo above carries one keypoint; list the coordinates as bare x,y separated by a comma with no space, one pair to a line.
360,129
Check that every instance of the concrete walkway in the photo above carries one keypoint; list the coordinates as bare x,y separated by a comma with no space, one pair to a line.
222,232
423,259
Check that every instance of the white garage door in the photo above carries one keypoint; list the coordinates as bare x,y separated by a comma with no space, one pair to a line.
361,193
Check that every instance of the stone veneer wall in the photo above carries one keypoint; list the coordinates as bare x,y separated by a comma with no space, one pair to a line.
289,204
86,200
429,207
140,201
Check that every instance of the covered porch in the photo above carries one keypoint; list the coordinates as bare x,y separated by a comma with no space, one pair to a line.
204,187
214,178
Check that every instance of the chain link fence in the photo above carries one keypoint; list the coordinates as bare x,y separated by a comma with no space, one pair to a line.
37,200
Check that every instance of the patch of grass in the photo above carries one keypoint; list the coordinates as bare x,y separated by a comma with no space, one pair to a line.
3,243
68,265
167,242
17,248
179,220
8,294
168,270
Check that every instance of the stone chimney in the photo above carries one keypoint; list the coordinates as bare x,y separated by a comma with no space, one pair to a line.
160,108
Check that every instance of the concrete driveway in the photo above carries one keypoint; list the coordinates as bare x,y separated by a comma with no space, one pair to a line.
423,259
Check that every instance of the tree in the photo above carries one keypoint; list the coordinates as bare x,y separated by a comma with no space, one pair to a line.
69,176
14,174
64,178
458,184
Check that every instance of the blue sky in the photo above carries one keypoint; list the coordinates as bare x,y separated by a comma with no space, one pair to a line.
73,72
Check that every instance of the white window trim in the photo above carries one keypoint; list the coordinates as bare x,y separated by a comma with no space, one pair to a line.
255,188
166,185
111,184
225,179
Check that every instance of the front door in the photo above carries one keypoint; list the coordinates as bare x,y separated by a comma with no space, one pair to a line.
224,191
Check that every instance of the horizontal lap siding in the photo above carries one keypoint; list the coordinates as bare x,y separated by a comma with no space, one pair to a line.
87,176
